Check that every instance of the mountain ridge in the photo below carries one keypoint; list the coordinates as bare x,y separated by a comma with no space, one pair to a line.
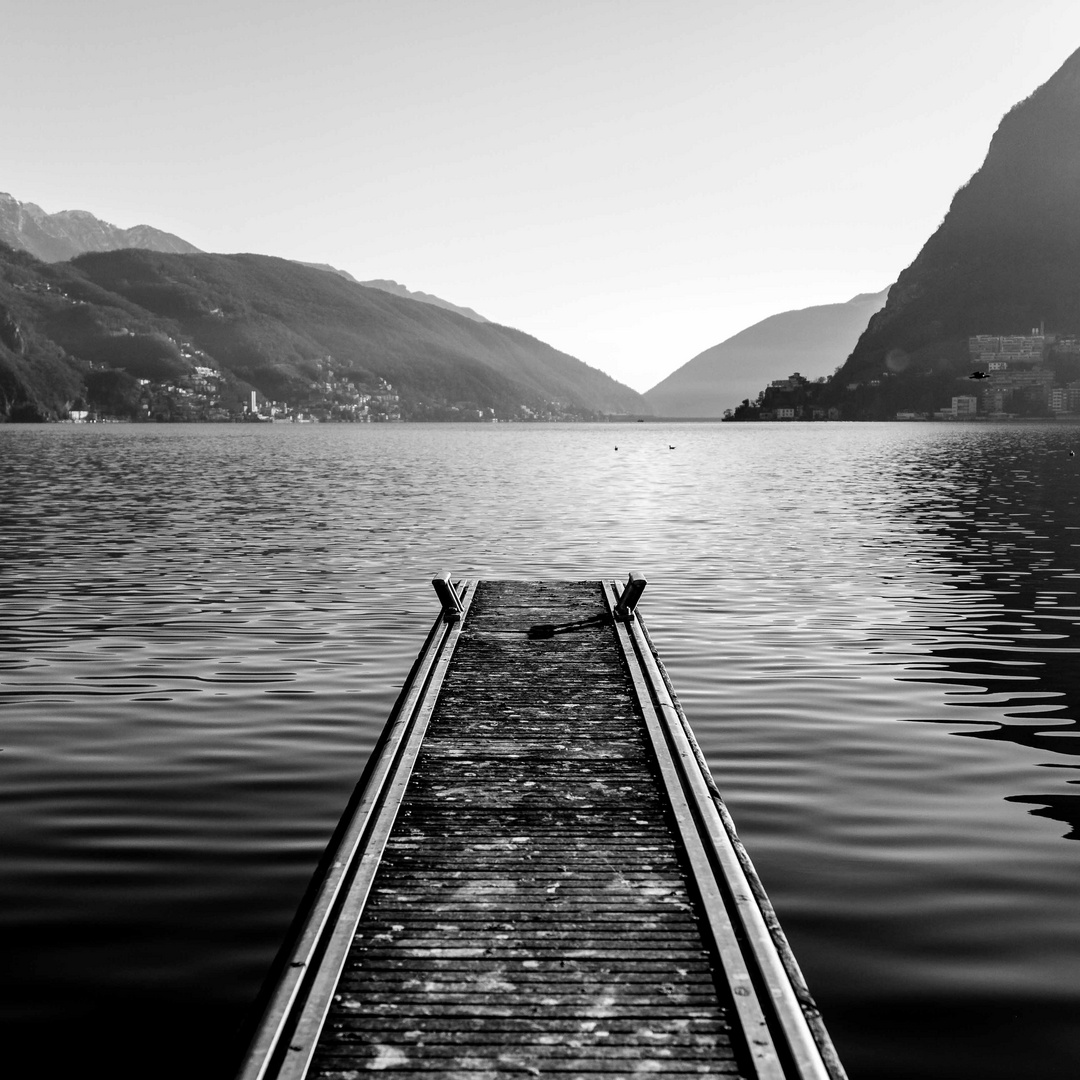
803,339
397,289
63,235
390,286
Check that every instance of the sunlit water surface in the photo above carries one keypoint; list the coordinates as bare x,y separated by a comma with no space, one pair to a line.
873,629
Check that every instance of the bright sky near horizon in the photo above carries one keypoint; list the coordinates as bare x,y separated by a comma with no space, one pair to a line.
631,181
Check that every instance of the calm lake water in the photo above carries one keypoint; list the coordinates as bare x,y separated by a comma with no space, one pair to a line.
873,629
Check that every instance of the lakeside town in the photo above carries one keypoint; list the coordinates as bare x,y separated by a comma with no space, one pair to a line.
1016,376
206,395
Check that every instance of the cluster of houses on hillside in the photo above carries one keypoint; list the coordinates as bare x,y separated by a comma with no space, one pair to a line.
337,400
794,386
793,398
1017,375
206,394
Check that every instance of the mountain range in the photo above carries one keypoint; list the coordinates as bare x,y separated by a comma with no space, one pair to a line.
807,340
811,339
1005,259
1004,262
61,236
288,331
80,296
55,237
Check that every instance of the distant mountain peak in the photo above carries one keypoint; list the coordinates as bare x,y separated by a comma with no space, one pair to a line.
63,235
812,340
9,204
330,270
864,297
1066,80
390,286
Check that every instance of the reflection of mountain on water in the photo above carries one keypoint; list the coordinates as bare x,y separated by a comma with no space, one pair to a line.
1063,808
1013,539
1053,695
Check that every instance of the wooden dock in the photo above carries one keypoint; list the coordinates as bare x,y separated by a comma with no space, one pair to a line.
537,875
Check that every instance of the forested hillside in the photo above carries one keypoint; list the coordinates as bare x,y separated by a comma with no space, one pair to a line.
293,333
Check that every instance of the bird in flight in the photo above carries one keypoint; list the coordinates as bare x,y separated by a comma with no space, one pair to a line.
979,375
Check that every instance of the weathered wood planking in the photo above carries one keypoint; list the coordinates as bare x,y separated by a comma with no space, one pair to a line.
540,900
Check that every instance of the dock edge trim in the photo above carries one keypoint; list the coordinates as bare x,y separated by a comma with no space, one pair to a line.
297,1008
793,1010
807,1004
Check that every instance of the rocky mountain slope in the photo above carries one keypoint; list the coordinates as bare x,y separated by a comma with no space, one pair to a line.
1005,259
284,329
56,237
812,341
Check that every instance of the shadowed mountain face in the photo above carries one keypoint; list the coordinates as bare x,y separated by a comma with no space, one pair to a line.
279,327
56,237
811,341
1006,257
271,321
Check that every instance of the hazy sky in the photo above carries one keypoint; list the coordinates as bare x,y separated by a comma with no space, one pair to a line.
630,181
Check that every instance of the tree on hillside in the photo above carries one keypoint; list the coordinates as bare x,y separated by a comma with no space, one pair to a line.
112,392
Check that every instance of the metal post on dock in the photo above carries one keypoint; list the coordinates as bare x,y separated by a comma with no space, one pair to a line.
631,593
448,596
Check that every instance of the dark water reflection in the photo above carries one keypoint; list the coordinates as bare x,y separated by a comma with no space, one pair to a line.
202,630
1015,533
